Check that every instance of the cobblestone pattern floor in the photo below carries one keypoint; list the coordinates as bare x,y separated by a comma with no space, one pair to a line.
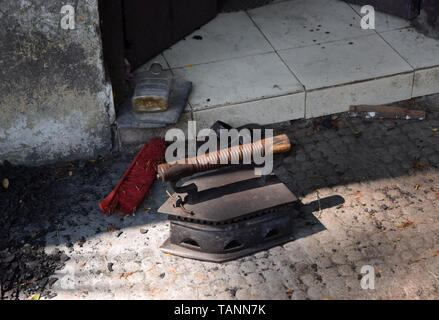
386,171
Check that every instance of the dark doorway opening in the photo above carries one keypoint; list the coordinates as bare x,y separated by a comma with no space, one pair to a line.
238,5
139,30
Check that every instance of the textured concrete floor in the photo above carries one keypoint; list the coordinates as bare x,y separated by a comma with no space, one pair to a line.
389,220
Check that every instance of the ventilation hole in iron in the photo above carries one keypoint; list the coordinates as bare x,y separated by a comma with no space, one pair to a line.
272,233
190,242
232,245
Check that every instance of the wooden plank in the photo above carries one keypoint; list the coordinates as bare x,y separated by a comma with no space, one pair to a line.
388,112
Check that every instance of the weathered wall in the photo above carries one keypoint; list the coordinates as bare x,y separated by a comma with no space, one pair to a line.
55,102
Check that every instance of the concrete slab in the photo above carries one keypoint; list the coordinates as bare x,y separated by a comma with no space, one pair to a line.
299,23
264,111
339,98
422,53
426,82
239,80
344,61
418,50
230,35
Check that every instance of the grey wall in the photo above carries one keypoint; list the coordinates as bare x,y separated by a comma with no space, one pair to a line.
55,102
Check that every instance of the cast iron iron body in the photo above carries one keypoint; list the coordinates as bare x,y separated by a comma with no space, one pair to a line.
233,213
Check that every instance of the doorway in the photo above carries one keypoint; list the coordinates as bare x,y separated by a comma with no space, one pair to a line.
139,30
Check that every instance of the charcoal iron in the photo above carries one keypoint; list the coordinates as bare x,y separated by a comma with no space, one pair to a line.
232,213
226,211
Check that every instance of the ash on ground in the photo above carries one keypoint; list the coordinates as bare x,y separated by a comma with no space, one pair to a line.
35,201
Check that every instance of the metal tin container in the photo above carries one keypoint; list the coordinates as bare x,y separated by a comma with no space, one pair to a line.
152,90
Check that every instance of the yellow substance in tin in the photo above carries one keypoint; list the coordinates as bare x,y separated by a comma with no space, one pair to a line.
150,104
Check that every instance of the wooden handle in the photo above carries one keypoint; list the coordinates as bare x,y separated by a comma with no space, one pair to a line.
280,144
174,171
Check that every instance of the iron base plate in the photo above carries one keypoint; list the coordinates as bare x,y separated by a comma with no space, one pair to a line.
180,251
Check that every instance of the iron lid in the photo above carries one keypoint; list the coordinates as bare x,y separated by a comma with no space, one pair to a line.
229,194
